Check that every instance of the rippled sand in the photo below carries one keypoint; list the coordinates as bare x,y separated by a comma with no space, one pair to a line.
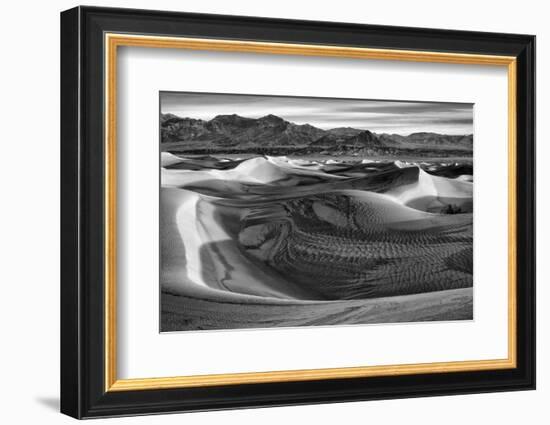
266,242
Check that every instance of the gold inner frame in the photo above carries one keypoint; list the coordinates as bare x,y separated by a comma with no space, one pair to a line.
113,41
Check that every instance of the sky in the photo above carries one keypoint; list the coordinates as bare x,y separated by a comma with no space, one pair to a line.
379,116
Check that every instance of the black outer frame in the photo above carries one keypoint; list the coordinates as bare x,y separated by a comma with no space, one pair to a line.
82,212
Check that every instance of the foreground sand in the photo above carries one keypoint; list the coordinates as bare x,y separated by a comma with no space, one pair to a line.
269,242
188,313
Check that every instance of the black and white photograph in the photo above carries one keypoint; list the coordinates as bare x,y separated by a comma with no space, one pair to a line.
309,207
299,211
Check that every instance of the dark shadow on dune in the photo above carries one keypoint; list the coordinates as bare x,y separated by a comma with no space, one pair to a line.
351,170
442,205
449,171
226,267
380,181
295,243
288,250
206,162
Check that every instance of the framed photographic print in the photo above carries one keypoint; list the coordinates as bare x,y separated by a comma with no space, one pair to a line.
261,212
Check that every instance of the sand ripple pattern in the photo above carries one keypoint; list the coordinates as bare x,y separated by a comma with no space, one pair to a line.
341,245
361,241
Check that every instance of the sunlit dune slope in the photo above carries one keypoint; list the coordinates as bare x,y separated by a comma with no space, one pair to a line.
275,230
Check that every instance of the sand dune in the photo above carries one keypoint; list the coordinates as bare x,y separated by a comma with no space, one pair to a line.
466,178
433,193
275,231
167,159
192,232
257,171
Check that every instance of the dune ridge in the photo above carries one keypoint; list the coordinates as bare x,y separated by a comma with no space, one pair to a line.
296,232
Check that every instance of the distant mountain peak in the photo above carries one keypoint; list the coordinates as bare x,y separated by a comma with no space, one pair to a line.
228,117
272,119
367,133
235,132
364,139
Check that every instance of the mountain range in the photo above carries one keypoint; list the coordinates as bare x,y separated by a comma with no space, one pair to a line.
234,132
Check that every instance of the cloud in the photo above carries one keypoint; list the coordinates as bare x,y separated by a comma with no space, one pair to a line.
401,117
